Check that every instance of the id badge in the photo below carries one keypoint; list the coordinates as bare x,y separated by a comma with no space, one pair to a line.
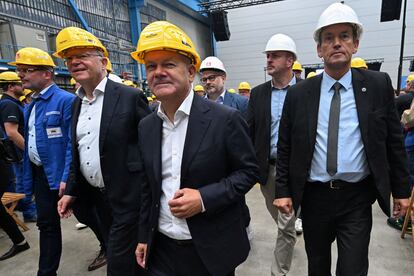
54,132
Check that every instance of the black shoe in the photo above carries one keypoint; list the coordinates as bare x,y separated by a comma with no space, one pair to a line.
16,249
396,223
99,261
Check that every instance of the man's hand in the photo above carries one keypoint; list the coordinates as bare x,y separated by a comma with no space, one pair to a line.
400,207
284,205
62,188
63,206
185,203
141,254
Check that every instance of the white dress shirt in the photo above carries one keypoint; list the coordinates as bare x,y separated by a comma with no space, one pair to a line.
173,138
87,134
31,141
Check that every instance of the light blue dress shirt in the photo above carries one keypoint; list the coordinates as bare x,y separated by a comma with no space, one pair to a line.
352,162
278,99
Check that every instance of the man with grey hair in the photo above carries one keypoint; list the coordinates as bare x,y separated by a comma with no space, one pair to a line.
340,148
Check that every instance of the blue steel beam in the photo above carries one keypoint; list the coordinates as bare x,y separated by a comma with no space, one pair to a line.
134,7
79,15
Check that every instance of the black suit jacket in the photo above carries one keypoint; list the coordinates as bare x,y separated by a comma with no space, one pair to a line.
123,108
219,161
380,131
259,119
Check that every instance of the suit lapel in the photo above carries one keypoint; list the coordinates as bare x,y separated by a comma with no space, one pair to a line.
362,92
198,124
312,102
155,142
75,117
267,105
111,97
228,99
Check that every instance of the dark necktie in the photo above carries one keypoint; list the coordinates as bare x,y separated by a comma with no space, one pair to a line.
333,129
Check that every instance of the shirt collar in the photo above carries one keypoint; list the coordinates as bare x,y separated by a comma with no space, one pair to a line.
100,87
184,108
6,96
35,96
221,95
345,81
292,82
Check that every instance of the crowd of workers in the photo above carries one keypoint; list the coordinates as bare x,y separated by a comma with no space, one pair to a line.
161,180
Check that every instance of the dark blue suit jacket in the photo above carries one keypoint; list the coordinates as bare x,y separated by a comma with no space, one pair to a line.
236,101
219,161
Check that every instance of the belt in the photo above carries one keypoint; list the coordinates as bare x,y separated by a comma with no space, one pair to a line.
272,161
161,236
337,184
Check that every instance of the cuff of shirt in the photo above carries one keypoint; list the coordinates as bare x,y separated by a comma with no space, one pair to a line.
203,209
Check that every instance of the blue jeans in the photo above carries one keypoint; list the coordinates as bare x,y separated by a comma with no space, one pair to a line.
48,222
26,205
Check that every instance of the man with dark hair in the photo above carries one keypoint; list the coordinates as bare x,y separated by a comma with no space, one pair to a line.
12,122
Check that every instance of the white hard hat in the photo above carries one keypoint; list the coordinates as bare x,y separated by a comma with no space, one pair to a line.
281,42
114,78
212,63
335,14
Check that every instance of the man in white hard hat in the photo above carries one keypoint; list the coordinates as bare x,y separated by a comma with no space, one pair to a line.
264,111
213,77
340,148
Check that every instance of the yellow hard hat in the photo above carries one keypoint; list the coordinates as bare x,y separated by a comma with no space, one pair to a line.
72,81
311,74
153,96
231,90
198,88
32,56
358,63
7,77
410,78
109,66
74,37
297,66
244,85
162,35
150,99
25,92
129,83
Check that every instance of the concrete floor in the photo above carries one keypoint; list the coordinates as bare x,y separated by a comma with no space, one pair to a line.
389,254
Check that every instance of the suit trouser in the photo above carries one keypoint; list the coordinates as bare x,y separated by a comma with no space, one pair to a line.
93,210
48,222
344,214
176,258
286,237
6,221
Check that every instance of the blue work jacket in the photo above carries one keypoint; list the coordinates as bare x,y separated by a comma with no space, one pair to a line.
53,111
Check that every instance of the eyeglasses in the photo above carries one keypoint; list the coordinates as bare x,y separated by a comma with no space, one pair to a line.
27,70
209,78
82,57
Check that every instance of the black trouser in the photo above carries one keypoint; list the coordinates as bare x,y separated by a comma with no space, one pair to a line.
6,221
344,214
92,209
176,258
48,222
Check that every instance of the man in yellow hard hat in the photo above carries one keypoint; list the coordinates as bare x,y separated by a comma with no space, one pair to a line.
297,69
111,75
106,166
12,127
244,89
47,155
27,97
199,90
199,163
358,62
340,148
